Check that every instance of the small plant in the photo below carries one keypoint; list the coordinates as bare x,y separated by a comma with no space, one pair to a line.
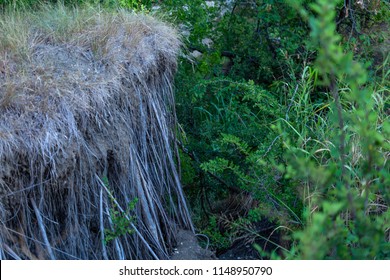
137,5
218,240
121,221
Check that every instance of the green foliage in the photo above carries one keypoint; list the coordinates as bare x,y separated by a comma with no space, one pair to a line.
348,178
260,35
301,131
217,238
192,14
137,5
228,114
235,146
188,171
120,221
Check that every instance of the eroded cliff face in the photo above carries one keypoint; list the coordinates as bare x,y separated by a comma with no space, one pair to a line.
86,129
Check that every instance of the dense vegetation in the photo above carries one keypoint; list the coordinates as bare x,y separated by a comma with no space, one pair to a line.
283,110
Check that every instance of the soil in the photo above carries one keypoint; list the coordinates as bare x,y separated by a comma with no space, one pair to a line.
189,249
239,251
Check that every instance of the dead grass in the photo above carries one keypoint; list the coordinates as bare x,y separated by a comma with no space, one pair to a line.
87,94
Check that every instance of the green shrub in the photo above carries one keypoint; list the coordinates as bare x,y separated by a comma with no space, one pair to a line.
347,179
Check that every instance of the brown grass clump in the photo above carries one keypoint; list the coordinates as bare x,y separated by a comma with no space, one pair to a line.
86,95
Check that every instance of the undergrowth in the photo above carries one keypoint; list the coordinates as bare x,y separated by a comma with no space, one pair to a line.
298,165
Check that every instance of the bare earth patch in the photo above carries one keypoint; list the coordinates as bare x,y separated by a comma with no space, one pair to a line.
189,249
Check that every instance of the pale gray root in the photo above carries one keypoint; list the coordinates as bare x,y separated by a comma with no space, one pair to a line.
104,250
43,231
10,252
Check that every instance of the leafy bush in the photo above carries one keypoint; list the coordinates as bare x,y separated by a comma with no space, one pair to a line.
308,144
343,162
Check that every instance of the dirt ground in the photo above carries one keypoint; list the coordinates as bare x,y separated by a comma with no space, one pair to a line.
189,249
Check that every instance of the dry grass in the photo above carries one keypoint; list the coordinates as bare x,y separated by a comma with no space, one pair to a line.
87,94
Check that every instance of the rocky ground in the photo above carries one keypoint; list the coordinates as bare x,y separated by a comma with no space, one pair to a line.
188,248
